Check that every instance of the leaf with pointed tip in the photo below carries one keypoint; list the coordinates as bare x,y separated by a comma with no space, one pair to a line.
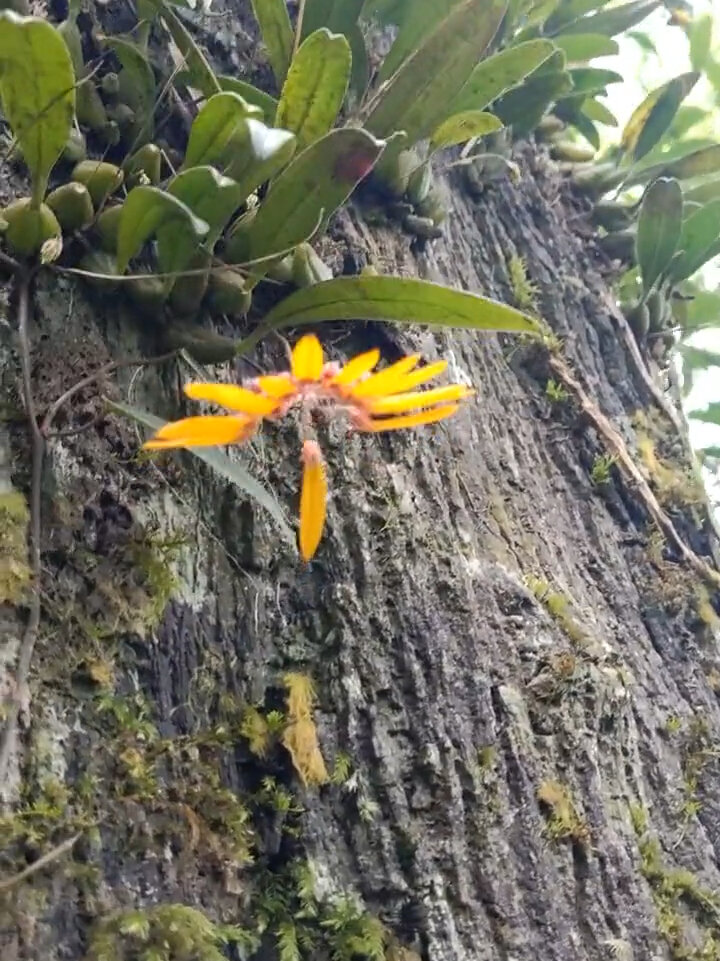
652,118
37,92
700,33
308,191
497,74
201,73
277,34
399,300
145,210
592,80
222,465
569,11
260,155
215,127
598,112
416,98
461,127
523,106
616,20
580,47
252,95
699,241
417,21
339,16
658,229
695,163
315,86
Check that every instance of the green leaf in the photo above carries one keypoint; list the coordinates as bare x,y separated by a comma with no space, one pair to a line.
598,112
360,72
277,34
219,462
201,73
143,212
699,241
395,299
684,161
702,311
700,33
570,10
711,414
703,192
523,106
37,92
211,197
499,73
712,451
580,47
304,196
613,21
417,21
658,230
252,95
262,155
215,127
139,91
339,16
315,88
694,358
416,98
462,127
592,80
652,118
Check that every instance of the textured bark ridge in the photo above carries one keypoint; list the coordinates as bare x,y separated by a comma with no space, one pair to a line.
516,677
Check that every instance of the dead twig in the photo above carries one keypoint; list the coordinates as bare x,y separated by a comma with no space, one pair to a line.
52,855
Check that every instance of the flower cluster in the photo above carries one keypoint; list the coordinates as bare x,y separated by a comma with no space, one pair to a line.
373,401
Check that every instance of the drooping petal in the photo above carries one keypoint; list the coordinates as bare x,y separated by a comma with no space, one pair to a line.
201,432
275,385
357,368
236,398
430,416
313,499
386,381
307,358
400,403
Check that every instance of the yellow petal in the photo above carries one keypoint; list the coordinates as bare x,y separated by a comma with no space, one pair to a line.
236,398
385,381
399,403
307,358
411,420
276,385
417,377
313,499
201,432
357,368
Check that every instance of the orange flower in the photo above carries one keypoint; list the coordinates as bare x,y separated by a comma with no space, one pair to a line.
372,400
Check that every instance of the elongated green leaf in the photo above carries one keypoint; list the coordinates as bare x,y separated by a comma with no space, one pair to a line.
339,16
711,414
201,73
700,33
523,106
416,97
138,86
580,47
311,188
461,127
277,34
360,72
598,112
614,21
211,197
652,118
592,80
36,91
702,311
261,155
215,127
398,299
144,211
258,98
418,20
704,192
219,462
569,11
697,163
494,76
699,241
315,88
658,230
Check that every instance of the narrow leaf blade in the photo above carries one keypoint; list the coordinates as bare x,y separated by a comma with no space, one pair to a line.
497,74
658,230
277,34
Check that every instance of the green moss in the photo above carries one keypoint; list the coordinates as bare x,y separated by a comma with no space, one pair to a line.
563,820
600,472
524,291
558,607
15,573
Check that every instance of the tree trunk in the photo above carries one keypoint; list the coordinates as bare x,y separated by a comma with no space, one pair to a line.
516,672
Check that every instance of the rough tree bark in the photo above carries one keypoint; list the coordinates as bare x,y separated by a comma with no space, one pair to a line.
519,672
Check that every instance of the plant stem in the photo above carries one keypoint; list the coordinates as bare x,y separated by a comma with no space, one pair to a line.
299,26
